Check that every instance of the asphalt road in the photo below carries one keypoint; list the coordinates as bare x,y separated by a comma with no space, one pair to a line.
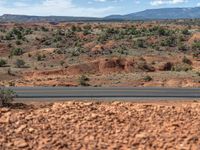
94,92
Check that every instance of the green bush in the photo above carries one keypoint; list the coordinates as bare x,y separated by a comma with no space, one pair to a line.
163,32
9,36
83,80
196,54
147,78
181,67
41,57
62,62
196,45
74,28
18,42
44,29
140,43
183,47
17,52
170,41
2,62
186,32
186,60
6,96
20,63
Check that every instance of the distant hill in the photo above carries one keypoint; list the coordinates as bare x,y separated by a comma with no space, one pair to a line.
25,18
163,13
149,14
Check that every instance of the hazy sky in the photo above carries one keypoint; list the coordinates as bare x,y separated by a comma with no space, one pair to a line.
95,8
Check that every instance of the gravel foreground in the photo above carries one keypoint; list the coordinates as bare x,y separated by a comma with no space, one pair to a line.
100,125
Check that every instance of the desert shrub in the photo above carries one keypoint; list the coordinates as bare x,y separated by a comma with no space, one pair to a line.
83,80
170,41
140,43
9,45
17,33
47,43
86,32
57,39
41,57
69,34
198,73
196,45
2,62
9,36
62,62
157,30
196,54
6,96
11,83
186,60
182,38
111,31
16,52
76,52
181,67
185,32
44,29
60,51
123,51
74,28
18,42
20,63
163,32
10,72
183,47
2,30
87,27
167,66
142,65
147,78
29,55
102,37
28,31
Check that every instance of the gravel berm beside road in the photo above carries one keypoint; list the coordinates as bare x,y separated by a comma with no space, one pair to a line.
101,125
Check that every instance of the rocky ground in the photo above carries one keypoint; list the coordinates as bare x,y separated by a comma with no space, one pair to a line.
101,125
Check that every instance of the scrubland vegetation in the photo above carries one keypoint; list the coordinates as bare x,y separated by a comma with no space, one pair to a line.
138,53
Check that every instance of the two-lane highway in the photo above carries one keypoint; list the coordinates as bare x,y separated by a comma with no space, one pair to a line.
102,92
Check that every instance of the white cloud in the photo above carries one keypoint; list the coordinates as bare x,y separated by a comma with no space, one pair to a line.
161,2
53,7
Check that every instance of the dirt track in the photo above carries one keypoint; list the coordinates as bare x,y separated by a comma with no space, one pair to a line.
100,125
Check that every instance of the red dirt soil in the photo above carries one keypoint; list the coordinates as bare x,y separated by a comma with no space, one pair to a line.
101,125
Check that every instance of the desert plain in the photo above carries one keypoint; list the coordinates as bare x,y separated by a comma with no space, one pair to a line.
101,54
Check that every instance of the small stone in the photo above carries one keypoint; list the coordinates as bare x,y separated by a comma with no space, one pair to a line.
4,110
20,143
142,135
4,119
88,104
20,129
31,130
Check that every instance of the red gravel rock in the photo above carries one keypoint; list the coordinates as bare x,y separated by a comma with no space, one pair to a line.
100,125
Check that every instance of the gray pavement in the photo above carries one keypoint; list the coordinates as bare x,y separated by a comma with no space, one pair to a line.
102,92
